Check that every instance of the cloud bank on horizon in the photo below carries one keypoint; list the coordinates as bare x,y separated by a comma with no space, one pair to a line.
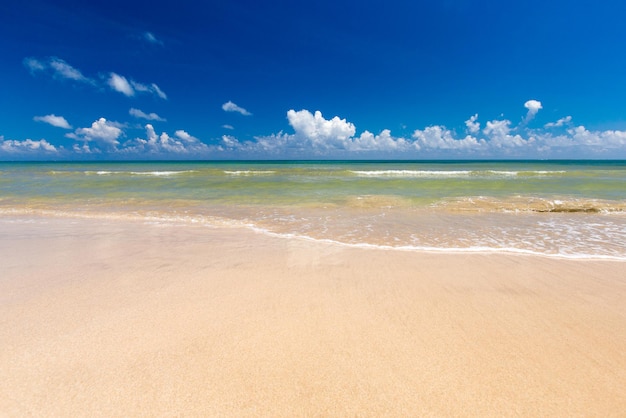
317,137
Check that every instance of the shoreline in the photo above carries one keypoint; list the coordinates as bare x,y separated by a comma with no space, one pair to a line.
117,317
154,217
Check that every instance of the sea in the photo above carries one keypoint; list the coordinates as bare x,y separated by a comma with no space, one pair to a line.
565,209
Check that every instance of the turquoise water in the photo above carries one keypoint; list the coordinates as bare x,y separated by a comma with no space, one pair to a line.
554,208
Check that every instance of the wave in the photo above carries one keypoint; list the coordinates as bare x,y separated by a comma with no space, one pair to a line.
453,173
441,249
532,204
248,172
139,173
410,173
596,245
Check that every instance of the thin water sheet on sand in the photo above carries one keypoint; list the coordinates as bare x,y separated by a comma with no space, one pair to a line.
123,318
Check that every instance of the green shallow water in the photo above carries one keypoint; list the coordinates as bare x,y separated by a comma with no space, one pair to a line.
554,207
295,183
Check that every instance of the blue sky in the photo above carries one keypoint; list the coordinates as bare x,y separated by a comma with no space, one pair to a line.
326,79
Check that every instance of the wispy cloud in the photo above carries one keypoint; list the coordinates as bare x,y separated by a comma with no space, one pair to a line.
559,123
34,65
59,69
54,120
230,127
232,107
152,89
150,38
120,84
158,91
148,116
129,88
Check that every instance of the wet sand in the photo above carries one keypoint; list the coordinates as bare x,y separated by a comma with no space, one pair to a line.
122,318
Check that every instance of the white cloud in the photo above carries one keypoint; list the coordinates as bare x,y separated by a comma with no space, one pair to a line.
180,134
232,107
498,133
156,90
127,87
59,69
383,142
155,144
533,107
149,37
28,146
54,120
34,65
148,116
441,138
64,70
561,122
101,131
231,127
120,84
321,133
152,88
472,126
314,136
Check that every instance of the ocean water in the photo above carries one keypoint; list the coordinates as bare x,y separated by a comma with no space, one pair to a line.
573,209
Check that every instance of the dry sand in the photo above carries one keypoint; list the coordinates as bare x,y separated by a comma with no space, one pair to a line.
119,318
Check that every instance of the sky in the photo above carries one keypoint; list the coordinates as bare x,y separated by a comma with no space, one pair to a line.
233,79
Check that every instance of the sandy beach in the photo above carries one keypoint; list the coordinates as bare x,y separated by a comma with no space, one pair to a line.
123,318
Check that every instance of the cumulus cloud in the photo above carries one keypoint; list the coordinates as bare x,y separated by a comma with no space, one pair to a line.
231,127
162,144
54,120
101,131
561,122
440,138
314,136
473,126
533,107
59,69
321,133
148,116
383,142
28,146
232,107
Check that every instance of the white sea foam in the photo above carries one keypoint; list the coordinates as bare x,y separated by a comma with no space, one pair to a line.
411,173
451,173
249,172
599,238
139,173
434,249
